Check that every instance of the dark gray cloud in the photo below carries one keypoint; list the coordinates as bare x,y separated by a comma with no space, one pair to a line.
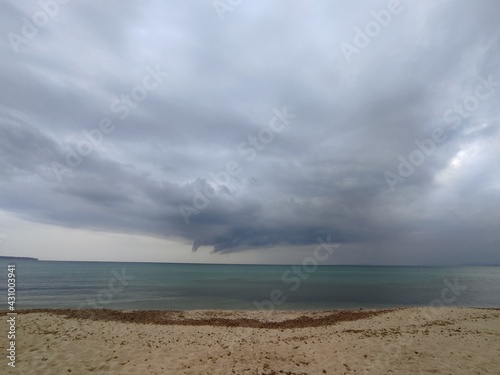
323,173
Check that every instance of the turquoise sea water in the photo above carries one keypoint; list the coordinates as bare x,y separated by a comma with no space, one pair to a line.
195,286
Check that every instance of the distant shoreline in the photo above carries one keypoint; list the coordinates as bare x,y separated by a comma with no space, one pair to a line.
16,258
257,264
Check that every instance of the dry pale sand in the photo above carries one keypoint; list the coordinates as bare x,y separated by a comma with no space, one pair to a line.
403,341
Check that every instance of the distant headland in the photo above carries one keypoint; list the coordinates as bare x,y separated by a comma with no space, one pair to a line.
16,258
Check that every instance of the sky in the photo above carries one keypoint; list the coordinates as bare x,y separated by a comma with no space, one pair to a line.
250,131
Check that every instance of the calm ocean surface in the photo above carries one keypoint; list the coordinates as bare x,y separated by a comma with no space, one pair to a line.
191,286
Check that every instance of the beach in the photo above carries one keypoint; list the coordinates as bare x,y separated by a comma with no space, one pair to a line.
420,340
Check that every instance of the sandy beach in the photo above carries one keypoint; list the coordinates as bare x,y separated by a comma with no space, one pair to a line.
401,341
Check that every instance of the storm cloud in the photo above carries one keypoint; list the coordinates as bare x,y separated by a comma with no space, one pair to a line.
257,125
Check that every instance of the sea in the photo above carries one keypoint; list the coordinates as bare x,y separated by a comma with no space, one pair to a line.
167,286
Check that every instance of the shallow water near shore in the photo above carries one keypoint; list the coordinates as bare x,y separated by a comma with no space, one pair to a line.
141,286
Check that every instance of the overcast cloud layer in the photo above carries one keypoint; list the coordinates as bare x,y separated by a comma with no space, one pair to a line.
389,144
